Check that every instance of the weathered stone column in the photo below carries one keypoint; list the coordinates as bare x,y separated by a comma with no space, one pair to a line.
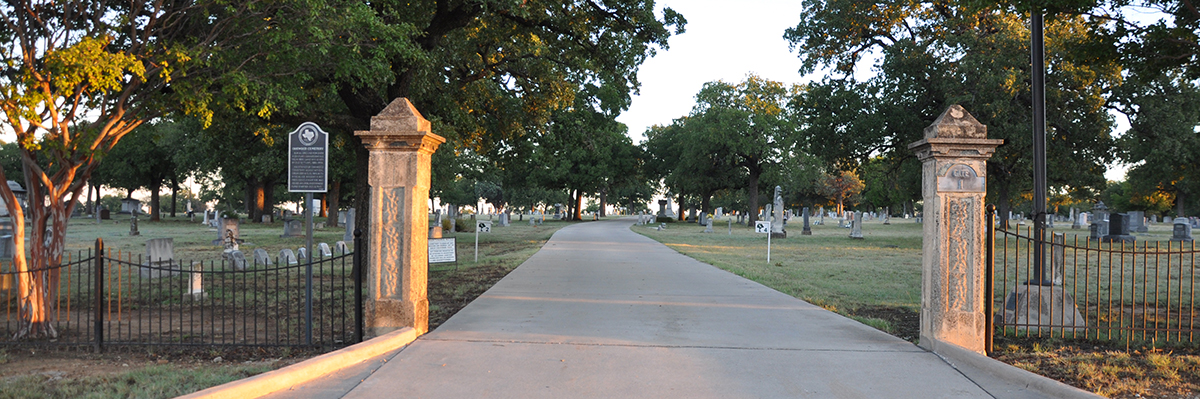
400,144
954,157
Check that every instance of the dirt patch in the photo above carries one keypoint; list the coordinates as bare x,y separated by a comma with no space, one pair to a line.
906,323
452,290
72,363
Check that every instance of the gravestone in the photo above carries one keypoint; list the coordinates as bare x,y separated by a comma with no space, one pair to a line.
195,283
670,207
807,229
1082,219
261,257
324,251
348,236
708,226
953,155
1153,219
160,255
160,252
1137,221
302,254
293,228
1058,258
236,259
1182,230
1075,219
1118,228
856,226
341,248
1049,218
131,206
8,247
719,212
1043,307
229,227
205,221
287,257
691,215
133,225
1099,217
887,216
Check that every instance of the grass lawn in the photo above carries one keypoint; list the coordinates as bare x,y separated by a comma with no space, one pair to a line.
877,281
159,372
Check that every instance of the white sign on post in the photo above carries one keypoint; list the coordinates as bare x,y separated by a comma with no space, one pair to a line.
481,226
761,226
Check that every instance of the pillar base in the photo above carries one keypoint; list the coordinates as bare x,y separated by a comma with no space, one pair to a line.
387,315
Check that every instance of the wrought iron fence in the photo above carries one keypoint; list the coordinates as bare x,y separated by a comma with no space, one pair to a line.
113,298
1120,292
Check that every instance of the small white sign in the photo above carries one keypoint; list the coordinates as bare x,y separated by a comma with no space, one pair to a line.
484,226
762,226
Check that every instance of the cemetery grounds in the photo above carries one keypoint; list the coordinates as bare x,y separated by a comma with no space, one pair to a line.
877,281
52,372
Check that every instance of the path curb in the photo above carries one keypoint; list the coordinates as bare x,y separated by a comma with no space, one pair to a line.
308,370
957,356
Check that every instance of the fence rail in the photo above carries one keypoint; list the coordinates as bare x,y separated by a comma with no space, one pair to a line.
106,298
1139,292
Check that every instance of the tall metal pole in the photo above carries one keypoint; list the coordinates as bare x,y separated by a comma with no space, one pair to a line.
308,257
1038,69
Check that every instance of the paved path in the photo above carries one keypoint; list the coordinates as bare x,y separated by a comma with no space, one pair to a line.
603,312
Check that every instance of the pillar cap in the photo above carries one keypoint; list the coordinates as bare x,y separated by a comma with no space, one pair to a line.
955,133
400,127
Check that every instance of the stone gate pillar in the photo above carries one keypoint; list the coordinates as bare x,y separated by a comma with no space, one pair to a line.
954,157
400,145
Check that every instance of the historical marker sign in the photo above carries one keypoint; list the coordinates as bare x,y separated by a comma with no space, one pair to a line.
308,159
443,250
484,226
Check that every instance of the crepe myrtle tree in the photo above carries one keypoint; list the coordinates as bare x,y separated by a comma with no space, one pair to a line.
76,77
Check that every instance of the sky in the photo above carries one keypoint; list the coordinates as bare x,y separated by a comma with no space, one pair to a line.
724,42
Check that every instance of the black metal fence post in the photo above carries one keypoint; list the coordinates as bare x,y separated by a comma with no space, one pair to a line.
357,273
989,290
98,290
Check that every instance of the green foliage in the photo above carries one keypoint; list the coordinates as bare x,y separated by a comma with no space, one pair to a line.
735,135
963,52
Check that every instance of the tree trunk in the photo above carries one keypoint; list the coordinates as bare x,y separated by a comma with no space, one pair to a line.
174,191
155,214
705,202
324,205
1002,204
1180,196
603,201
752,213
333,198
89,207
269,199
578,211
682,216
258,199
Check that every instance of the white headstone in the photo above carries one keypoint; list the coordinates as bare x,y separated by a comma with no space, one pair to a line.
287,257
261,257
